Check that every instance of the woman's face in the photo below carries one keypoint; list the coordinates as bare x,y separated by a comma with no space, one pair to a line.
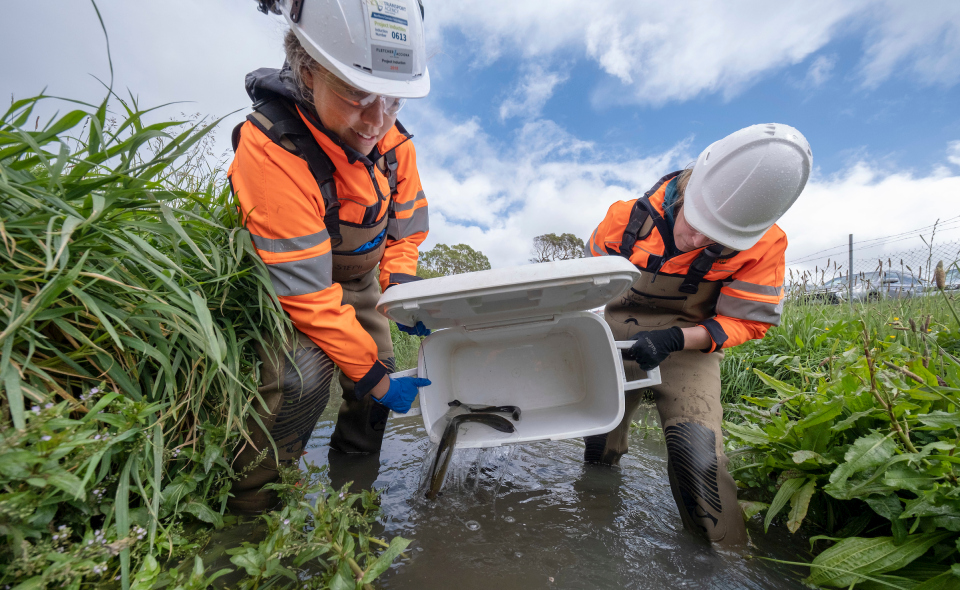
360,128
685,237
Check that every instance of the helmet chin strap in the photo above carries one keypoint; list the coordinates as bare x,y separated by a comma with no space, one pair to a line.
268,6
296,7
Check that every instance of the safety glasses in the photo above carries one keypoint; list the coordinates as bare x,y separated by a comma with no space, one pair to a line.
360,99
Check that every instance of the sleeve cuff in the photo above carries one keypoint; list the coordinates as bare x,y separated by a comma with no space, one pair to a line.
399,278
371,379
717,334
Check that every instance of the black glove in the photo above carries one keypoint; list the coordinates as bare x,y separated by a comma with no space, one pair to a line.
654,346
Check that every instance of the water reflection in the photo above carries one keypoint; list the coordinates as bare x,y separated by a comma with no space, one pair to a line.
534,516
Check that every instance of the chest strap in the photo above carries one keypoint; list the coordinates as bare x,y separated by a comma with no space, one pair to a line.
637,227
280,121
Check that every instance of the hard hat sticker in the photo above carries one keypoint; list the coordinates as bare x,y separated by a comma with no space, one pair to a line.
391,59
389,21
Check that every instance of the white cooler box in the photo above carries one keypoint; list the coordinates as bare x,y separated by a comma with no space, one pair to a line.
520,336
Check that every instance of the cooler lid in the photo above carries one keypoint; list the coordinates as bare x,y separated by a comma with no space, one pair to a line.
533,290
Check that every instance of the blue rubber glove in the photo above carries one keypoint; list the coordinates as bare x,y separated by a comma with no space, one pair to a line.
402,392
418,330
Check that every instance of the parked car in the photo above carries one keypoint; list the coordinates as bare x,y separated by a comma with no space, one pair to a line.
898,285
869,286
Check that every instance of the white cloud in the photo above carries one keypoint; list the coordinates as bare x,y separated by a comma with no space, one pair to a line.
176,50
532,93
953,152
497,199
666,51
820,71
921,38
870,203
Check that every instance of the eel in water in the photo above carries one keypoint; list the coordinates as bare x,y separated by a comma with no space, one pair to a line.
514,410
449,440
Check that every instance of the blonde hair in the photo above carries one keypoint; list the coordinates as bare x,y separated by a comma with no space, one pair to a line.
299,62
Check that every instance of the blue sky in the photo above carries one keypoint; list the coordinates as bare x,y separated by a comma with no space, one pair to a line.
542,114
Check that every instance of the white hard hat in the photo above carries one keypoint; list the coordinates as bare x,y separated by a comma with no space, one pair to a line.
742,184
374,45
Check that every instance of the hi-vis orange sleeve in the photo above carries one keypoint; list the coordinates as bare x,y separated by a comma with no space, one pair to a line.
283,210
753,300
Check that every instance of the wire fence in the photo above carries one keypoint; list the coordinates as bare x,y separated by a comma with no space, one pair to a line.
901,274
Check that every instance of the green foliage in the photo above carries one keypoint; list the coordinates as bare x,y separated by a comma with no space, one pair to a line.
131,298
548,247
852,428
443,260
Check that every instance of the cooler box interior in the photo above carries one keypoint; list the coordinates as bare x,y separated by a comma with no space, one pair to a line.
520,336
560,373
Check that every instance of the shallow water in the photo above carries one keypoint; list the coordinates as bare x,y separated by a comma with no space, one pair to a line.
534,516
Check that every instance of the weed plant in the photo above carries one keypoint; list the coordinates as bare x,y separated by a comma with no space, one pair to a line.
130,299
845,421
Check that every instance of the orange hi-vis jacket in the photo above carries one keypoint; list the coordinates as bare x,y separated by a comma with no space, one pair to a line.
751,295
284,208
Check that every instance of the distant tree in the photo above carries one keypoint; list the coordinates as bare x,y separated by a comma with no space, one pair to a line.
445,260
548,247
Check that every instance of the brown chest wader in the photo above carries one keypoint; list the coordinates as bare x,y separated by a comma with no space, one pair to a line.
295,372
688,398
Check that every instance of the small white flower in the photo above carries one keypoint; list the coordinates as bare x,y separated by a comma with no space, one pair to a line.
45,438
48,406
94,390
35,409
62,527
286,522
97,437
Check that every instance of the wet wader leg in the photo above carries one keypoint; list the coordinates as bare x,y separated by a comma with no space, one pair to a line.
295,385
688,401
361,423
608,448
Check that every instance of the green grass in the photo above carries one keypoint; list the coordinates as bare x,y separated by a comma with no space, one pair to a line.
130,299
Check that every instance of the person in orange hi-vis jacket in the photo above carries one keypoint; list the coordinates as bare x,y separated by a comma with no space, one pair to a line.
326,181
713,272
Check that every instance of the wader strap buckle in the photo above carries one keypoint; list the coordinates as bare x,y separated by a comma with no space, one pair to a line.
699,268
392,165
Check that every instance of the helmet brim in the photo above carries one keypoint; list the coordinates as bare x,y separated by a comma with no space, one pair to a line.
416,88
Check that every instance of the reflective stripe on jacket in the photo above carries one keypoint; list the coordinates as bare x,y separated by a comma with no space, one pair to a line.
283,209
751,297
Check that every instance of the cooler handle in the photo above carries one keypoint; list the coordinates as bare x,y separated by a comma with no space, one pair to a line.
653,375
413,411
408,373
